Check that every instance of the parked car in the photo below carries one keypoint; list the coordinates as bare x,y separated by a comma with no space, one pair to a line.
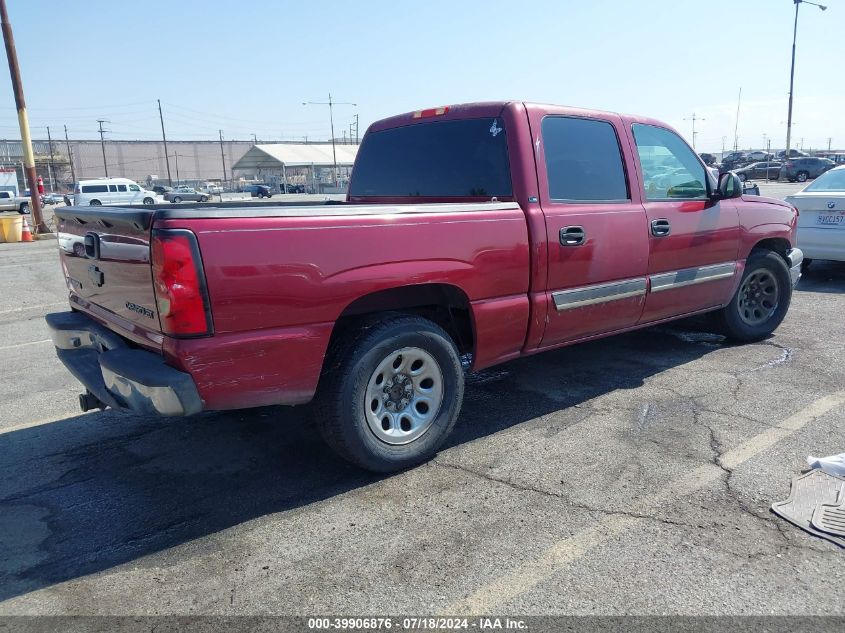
768,170
464,250
110,191
802,169
213,189
793,153
734,157
52,198
709,159
821,222
161,189
758,156
295,188
10,202
181,194
258,191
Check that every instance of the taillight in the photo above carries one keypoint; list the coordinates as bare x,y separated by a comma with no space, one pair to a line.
179,281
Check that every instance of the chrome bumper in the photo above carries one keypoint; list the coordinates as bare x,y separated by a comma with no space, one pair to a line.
120,376
795,257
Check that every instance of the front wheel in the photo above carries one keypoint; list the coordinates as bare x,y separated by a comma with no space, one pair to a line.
391,393
149,201
802,176
761,301
176,200
203,199
24,208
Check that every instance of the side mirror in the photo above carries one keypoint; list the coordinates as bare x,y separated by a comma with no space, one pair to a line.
730,186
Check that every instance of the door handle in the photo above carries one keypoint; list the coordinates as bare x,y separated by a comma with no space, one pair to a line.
660,227
572,236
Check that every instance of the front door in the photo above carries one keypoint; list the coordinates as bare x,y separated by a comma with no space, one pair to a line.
596,228
693,240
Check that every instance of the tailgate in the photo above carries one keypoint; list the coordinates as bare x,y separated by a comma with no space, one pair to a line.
106,258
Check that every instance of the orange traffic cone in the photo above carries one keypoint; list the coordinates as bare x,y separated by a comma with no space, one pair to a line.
26,234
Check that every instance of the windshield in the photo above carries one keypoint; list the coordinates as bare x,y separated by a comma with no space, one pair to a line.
440,159
830,181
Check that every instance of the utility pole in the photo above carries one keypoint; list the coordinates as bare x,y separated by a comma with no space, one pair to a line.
694,119
331,104
344,137
356,128
736,121
70,158
52,164
254,139
724,138
103,145
829,141
164,138
222,156
23,120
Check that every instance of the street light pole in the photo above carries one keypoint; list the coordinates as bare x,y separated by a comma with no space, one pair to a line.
331,104
792,73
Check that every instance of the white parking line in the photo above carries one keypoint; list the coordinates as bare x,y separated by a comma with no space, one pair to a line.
16,345
37,307
491,597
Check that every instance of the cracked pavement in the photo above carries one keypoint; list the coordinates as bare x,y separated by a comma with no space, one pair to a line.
618,456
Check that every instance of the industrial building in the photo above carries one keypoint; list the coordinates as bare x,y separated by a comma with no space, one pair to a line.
318,167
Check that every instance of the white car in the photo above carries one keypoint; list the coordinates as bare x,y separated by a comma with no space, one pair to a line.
110,191
821,219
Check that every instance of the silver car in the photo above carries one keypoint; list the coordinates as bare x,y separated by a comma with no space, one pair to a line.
181,194
821,219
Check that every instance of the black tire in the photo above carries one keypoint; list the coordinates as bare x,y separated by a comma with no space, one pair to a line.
149,201
805,264
802,176
95,203
24,208
79,250
176,200
203,199
340,406
732,324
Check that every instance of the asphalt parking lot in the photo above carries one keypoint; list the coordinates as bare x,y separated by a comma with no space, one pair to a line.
631,475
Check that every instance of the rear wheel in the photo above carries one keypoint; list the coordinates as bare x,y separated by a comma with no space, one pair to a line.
760,302
24,208
203,199
802,176
391,393
177,200
95,203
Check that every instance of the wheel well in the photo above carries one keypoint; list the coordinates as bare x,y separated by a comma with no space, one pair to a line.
443,304
778,245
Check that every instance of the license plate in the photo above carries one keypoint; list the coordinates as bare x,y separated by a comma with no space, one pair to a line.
830,219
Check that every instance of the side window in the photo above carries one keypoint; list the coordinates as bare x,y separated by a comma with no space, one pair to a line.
113,188
94,188
4,194
134,188
670,168
583,160
121,188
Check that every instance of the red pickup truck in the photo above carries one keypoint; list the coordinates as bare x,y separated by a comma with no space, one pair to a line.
471,235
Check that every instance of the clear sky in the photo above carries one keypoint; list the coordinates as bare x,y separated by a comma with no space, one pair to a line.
247,66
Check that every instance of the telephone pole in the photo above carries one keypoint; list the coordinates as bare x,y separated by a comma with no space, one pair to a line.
23,120
164,139
694,119
331,105
222,156
356,128
70,158
736,121
103,145
829,141
52,164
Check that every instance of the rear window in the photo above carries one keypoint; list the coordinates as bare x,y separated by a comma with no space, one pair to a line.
95,188
439,159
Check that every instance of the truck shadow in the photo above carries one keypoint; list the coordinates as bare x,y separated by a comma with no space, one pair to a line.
88,493
823,276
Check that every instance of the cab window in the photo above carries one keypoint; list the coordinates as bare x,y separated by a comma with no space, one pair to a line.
583,160
670,168
134,188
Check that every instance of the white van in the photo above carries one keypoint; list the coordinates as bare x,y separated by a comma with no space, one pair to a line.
113,191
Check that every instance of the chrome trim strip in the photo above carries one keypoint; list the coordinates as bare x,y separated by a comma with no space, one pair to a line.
599,293
690,276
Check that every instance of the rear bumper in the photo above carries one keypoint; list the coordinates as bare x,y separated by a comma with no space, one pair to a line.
120,376
795,257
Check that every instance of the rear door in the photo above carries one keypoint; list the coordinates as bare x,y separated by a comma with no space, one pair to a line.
693,241
595,224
